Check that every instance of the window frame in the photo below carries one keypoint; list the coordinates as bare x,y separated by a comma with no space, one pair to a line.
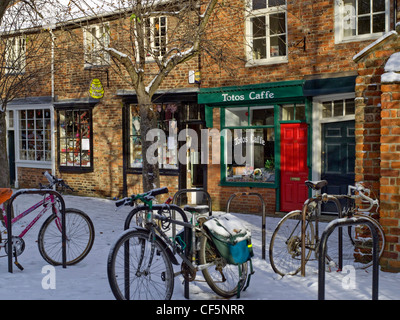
249,126
92,58
17,127
266,12
15,60
74,168
150,38
339,24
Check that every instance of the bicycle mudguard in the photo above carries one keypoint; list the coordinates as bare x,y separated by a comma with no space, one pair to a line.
167,249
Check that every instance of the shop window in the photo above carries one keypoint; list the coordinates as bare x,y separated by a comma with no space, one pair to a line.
35,135
267,25
75,148
167,152
338,108
249,151
361,19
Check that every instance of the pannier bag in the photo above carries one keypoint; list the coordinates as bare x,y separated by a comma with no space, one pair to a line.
231,238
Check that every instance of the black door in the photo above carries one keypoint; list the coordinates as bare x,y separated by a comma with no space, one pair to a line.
11,156
338,159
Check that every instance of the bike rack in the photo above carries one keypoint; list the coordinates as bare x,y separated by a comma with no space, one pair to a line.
322,252
263,213
9,224
176,196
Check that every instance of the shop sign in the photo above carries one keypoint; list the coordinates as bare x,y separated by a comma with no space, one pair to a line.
96,89
253,93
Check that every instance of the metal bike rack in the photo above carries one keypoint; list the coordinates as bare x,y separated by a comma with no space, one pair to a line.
323,248
263,213
176,196
9,224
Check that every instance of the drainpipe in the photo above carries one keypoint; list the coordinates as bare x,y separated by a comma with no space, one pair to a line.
53,144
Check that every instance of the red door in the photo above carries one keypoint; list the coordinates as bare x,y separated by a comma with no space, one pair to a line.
294,170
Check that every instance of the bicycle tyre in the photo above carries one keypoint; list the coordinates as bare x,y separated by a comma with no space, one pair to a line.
127,280
224,279
80,238
285,245
358,251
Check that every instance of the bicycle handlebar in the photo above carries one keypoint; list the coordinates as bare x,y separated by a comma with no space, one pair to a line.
361,193
149,195
55,181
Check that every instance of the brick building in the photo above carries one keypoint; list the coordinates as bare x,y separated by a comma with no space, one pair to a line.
290,88
378,134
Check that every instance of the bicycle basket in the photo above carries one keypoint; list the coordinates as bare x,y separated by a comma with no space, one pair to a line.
231,238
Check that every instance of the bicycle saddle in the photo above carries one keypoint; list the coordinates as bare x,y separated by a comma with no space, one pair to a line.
197,209
5,194
316,185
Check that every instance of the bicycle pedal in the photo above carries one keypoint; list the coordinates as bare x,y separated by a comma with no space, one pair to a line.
18,265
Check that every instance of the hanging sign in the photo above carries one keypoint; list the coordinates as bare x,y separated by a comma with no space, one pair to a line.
96,89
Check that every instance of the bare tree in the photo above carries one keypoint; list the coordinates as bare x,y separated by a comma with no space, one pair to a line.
149,39
22,47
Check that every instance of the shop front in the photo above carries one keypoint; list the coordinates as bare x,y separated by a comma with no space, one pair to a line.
265,142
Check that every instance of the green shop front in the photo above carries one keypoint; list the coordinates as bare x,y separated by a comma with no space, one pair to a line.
265,141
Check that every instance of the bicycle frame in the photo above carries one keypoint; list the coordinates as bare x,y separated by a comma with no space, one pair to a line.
48,200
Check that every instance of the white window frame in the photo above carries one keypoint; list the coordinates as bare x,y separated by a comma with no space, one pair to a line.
95,39
45,164
15,55
340,24
151,38
251,61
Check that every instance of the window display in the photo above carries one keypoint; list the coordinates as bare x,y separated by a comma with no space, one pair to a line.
75,138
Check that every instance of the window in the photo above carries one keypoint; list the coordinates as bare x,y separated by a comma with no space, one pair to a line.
338,108
35,135
249,150
267,32
361,19
156,36
15,55
96,38
167,152
75,139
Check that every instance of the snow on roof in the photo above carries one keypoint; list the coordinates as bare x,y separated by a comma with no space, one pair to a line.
373,44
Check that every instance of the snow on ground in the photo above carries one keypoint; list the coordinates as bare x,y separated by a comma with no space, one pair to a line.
88,279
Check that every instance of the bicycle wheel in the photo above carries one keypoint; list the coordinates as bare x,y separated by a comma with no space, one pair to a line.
357,244
140,269
79,237
224,279
285,245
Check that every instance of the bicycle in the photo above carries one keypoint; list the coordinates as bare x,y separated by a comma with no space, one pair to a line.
79,229
140,262
286,253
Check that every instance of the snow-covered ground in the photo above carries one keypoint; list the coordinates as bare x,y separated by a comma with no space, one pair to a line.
88,279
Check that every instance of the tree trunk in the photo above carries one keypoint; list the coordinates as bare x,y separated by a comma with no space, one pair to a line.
148,118
4,168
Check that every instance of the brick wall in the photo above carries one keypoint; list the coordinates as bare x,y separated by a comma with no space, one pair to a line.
378,139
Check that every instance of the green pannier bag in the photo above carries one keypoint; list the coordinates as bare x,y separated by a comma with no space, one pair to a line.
231,238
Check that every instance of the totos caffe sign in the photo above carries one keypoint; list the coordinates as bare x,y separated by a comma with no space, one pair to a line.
252,93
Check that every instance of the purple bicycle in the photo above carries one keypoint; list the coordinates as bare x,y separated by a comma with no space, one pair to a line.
79,228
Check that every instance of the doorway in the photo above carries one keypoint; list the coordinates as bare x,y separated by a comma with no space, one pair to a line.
338,159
